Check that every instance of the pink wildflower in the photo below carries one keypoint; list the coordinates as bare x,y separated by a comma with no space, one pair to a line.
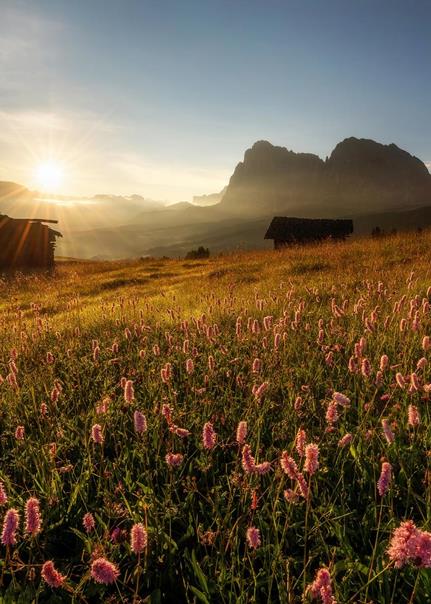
389,435
345,440
290,496
300,440
297,405
352,365
190,366
400,380
51,576
341,399
384,362
302,485
129,393
322,587
421,364
379,378
174,459
241,433
257,365
138,538
413,416
385,478
260,390
181,432
19,433
140,422
248,461
96,434
209,437
311,458
55,394
410,545
253,537
3,495
414,382
103,406
289,466
88,522
366,368
332,413
10,526
167,413
263,468
103,571
426,343
32,516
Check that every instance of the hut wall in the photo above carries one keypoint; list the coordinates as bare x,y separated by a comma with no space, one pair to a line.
26,244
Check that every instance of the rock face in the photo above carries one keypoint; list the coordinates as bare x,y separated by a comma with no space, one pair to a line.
359,176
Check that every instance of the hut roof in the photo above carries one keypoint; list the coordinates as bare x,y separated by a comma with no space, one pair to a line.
42,221
284,228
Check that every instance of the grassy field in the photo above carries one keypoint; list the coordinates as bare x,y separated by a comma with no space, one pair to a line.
123,385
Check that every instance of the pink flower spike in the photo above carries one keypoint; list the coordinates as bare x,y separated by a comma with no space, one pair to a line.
413,416
140,422
209,437
138,538
253,537
263,468
174,459
300,440
389,435
88,522
248,462
241,433
19,433
10,526
311,458
410,545
104,571
32,516
51,576
385,478
129,393
97,434
289,466
345,440
3,494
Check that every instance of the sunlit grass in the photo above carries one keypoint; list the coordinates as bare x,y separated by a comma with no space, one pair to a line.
197,515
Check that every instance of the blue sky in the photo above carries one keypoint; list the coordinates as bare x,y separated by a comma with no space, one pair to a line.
162,98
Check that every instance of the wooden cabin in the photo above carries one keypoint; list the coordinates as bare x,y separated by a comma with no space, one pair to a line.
27,243
286,231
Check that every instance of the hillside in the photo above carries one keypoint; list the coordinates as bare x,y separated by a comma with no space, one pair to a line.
257,420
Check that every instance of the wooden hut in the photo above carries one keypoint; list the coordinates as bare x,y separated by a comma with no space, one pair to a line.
26,243
285,231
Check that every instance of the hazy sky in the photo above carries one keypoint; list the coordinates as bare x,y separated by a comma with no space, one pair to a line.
162,98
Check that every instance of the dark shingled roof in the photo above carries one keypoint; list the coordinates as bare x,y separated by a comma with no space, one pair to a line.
298,229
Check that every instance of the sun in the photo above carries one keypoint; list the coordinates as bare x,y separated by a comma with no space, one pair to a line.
49,175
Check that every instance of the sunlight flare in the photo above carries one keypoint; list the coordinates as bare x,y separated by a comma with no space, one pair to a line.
49,175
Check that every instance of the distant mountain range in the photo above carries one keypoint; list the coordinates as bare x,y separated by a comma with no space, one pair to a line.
360,176
375,184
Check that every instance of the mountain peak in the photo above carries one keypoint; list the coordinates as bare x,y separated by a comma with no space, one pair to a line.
360,175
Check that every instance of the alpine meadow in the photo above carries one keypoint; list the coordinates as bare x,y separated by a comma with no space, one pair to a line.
252,427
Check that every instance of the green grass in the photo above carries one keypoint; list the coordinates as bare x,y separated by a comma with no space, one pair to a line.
197,515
